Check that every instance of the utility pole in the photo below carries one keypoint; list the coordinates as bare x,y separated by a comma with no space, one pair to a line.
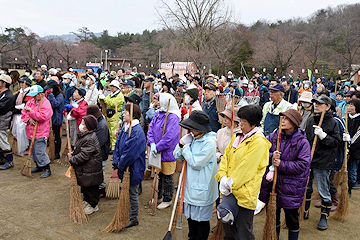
159,58
106,66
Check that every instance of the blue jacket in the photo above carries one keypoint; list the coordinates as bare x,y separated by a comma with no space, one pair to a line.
57,104
210,109
201,188
68,93
130,152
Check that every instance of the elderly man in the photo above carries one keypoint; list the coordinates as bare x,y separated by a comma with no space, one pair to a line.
272,109
291,94
209,107
7,102
39,79
92,93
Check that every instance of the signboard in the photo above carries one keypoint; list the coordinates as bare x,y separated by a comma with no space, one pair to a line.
93,64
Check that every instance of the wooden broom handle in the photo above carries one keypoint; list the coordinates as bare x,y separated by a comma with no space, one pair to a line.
316,136
277,149
35,129
67,132
346,143
232,115
131,117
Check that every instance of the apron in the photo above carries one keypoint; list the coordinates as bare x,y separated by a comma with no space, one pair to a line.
271,123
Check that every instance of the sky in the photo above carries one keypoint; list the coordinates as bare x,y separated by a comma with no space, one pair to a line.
64,16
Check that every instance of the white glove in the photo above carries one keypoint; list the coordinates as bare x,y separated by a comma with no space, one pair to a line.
318,131
69,117
100,91
71,84
346,137
20,107
101,96
187,139
225,185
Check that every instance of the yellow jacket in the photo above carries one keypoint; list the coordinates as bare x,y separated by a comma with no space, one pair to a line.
246,166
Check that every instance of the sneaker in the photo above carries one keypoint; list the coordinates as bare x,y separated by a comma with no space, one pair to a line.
7,165
164,205
85,204
89,210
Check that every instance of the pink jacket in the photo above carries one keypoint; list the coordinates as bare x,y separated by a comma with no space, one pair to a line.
42,117
79,112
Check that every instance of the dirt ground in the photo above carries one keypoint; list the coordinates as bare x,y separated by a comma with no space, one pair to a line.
34,208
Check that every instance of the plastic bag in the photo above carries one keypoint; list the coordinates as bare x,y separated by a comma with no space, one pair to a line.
19,132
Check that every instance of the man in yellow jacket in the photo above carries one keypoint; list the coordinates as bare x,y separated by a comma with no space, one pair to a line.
115,98
241,170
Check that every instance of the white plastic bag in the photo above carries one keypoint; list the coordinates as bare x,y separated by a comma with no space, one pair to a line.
19,132
155,161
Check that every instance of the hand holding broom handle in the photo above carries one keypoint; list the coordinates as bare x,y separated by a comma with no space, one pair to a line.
277,149
316,136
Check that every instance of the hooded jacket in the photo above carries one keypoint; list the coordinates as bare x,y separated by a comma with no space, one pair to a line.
57,104
354,147
293,171
79,112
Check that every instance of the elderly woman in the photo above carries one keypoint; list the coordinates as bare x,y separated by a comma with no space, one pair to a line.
241,169
293,164
200,191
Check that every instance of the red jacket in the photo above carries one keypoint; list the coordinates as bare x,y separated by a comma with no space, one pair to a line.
79,112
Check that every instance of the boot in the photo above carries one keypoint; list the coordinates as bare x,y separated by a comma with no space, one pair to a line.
46,172
294,234
278,231
335,201
9,163
37,169
307,206
325,213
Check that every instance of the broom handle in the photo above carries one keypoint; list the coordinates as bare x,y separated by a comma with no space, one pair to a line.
131,117
277,149
232,115
35,129
176,199
316,136
166,117
182,188
346,143
116,115
67,132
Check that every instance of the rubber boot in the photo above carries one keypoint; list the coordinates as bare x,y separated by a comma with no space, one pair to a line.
37,169
278,231
351,185
46,172
294,234
325,213
307,207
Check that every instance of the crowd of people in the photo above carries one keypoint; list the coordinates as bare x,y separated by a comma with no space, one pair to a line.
224,129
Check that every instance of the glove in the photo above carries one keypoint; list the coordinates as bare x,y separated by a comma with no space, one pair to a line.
20,107
318,131
68,107
183,110
187,139
153,149
270,174
225,185
346,137
101,96
71,84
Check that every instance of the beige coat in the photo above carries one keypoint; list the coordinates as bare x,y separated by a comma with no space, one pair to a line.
223,139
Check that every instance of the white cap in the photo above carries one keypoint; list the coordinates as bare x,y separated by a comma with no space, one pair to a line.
245,81
66,75
115,83
230,73
92,78
44,66
53,71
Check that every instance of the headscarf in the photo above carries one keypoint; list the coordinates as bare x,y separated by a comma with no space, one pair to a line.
164,99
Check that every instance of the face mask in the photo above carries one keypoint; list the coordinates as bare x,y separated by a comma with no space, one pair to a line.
352,89
187,99
245,85
65,81
251,87
81,128
306,86
306,105
358,89
217,92
1,72
87,82
27,74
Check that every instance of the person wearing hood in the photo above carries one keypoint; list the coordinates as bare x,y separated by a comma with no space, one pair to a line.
92,93
130,153
165,144
86,160
323,161
115,98
209,107
200,187
293,166
240,172
305,108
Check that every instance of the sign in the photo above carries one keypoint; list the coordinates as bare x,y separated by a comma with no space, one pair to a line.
177,65
93,64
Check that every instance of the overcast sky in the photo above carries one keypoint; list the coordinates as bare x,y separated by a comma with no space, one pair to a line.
61,17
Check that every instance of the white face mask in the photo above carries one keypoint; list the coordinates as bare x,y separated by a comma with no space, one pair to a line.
87,82
358,89
187,99
251,87
352,89
306,86
217,92
81,128
305,105
65,81
27,74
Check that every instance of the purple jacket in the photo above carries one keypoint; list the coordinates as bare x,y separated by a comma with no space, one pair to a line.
167,143
293,171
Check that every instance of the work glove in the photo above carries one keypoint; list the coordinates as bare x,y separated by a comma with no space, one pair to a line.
101,96
270,174
319,131
68,107
20,107
346,137
153,150
187,139
225,186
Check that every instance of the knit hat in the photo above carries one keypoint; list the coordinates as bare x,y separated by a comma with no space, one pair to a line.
90,122
293,115
94,111
193,91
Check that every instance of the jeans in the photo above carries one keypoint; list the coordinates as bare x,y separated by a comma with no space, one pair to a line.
352,168
103,184
134,201
39,154
322,181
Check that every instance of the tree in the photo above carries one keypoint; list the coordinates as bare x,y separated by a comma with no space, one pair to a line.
84,34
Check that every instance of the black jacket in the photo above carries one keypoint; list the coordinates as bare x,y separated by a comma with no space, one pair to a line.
7,102
103,135
291,96
326,149
353,127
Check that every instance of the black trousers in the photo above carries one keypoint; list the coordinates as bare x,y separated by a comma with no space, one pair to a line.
242,229
291,218
198,230
91,195
56,131
166,187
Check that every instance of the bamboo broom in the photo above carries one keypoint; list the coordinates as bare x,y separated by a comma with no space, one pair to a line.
51,150
64,157
26,168
219,233
270,223
342,212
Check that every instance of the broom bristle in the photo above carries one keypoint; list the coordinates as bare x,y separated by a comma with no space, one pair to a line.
219,233
51,151
64,160
113,188
337,178
283,223
26,168
302,210
316,196
77,213
121,216
269,232
14,147
342,211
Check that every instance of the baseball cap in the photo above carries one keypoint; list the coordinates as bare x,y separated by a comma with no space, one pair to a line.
128,82
5,78
35,90
278,87
322,99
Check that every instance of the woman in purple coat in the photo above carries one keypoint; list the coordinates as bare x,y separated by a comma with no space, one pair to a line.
165,144
293,163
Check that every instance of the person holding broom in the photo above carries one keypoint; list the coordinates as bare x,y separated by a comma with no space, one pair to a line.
130,153
240,172
38,110
200,187
87,162
293,164
323,160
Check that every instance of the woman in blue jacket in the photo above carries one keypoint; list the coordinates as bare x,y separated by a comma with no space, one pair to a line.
130,153
200,191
